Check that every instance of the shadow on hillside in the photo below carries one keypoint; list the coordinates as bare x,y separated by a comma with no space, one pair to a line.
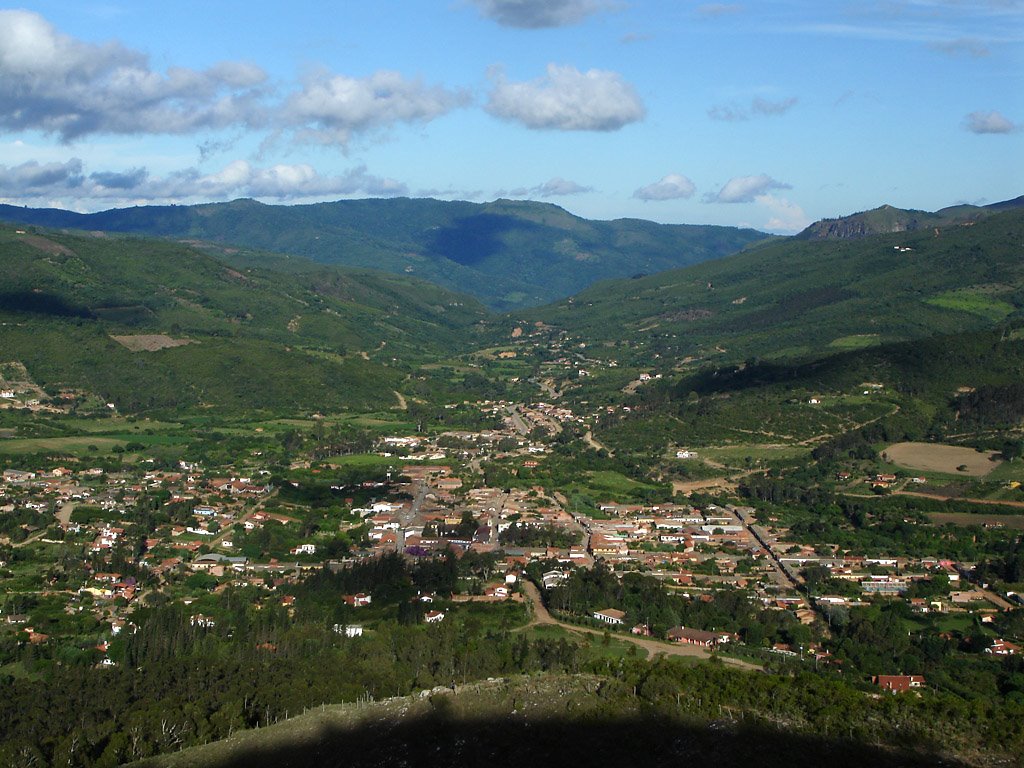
41,303
472,239
438,740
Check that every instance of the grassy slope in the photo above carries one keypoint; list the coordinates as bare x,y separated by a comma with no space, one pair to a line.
796,297
262,338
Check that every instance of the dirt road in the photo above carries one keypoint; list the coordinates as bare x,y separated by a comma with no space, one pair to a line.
541,615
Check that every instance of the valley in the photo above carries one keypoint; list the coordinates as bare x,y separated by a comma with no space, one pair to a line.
776,495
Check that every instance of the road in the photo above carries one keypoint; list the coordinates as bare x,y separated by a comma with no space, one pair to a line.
518,422
782,576
541,615
407,517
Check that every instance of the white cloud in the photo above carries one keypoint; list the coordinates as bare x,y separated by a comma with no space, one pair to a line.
559,187
786,216
556,187
58,85
671,187
32,177
745,189
55,84
330,107
568,100
759,107
32,181
538,14
989,122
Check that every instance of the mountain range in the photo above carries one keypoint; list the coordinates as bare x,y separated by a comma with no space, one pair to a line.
799,296
154,323
506,253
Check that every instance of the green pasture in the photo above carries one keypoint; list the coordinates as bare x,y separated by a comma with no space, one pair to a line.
76,446
855,341
735,454
610,481
363,460
974,303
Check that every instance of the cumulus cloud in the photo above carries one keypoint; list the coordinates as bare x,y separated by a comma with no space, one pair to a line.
786,216
556,187
989,122
330,107
559,187
568,100
538,14
121,180
671,187
745,189
237,179
758,108
33,177
58,85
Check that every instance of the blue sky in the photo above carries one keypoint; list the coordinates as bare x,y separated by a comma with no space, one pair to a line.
770,114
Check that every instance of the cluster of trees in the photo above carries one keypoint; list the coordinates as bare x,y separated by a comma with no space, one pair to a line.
646,601
521,535
178,683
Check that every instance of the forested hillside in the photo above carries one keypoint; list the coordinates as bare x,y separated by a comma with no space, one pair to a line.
506,253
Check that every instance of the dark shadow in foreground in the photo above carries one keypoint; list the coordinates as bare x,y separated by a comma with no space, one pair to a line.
439,740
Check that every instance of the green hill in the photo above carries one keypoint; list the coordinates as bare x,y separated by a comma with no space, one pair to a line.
507,253
148,324
793,297
887,219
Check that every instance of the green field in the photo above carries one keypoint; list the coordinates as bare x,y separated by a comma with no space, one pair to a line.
855,341
614,482
737,454
77,446
973,302
365,460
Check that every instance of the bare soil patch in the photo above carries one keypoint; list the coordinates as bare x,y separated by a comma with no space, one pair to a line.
149,342
932,457
46,245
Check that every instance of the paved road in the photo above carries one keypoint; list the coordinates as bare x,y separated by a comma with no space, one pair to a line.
779,571
653,647
518,422
408,517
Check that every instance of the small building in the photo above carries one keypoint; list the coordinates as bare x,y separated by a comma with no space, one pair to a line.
898,683
610,616
699,637
349,630
1002,647
433,617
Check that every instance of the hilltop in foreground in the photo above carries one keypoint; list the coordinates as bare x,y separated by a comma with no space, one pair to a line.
552,720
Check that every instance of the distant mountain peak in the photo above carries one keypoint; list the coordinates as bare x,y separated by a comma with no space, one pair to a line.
888,218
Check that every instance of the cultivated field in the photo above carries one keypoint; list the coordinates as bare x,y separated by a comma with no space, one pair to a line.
149,342
931,457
